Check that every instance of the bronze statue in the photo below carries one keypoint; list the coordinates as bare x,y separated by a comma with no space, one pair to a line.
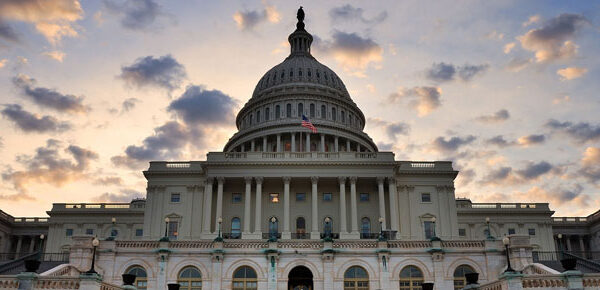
300,15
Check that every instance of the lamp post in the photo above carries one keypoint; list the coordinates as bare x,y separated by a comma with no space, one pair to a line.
95,243
112,229
219,238
489,232
42,236
381,236
560,250
328,230
434,237
272,232
506,242
165,238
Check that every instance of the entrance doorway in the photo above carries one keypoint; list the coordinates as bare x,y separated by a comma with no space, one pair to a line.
300,278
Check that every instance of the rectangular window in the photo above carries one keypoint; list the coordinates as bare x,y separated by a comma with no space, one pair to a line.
173,230
175,197
89,232
236,197
531,232
428,227
327,196
69,232
274,197
364,197
425,197
462,232
139,232
511,231
300,196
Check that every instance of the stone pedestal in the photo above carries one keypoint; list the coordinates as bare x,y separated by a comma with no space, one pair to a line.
90,281
350,236
574,280
26,280
513,281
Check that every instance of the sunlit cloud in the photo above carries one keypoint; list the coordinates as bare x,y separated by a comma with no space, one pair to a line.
532,19
440,144
3,62
354,52
590,164
249,19
350,13
134,14
56,55
561,100
570,73
581,132
422,99
509,47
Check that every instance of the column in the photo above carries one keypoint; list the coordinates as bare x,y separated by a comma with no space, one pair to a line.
347,145
278,142
18,250
293,142
342,181
264,149
336,144
322,142
208,185
252,145
357,147
243,146
219,211
380,181
32,244
247,202
581,246
314,229
258,213
353,207
567,237
286,208
393,203
307,142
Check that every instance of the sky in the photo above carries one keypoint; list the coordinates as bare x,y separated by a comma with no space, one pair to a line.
90,91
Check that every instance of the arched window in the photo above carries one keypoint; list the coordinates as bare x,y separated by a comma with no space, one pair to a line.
300,109
323,112
258,116
251,117
277,112
365,228
190,278
343,115
288,110
141,278
244,278
309,74
300,225
411,278
267,113
356,278
459,276
235,228
333,114
312,110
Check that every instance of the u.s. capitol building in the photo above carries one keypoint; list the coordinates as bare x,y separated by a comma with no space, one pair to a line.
283,207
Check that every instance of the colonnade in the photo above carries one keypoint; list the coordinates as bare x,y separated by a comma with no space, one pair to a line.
323,143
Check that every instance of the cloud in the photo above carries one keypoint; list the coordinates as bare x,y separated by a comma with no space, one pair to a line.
200,106
354,52
392,129
440,144
570,73
532,19
47,166
532,171
509,47
499,141
350,13
535,170
561,100
56,55
422,99
3,62
8,33
531,140
108,180
553,40
590,164
49,98
53,19
465,177
498,117
168,142
517,64
164,72
135,14
444,72
581,132
29,122
248,19
495,35
126,195
129,104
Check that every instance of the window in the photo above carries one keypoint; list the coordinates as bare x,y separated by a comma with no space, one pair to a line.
411,278
173,226
425,197
277,112
511,231
69,232
291,73
274,197
236,228
428,226
309,74
343,117
244,278
356,278
333,114
139,232
141,278
459,276
89,232
364,197
236,197
300,109
323,112
114,232
327,196
190,278
175,197
531,232
365,228
312,110
301,196
258,116
299,72
288,110
462,232
251,117
300,225
267,113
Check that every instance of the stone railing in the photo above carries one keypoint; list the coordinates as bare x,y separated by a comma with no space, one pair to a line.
543,281
463,244
30,220
503,206
106,286
410,244
569,220
306,156
246,244
175,166
355,244
93,206
9,282
591,280
137,244
496,285
191,244
57,283
300,244
62,270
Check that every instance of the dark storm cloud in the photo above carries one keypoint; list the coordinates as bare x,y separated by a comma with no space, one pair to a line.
350,13
199,106
535,170
135,14
47,166
29,122
500,116
452,144
49,98
8,33
163,72
444,72
581,132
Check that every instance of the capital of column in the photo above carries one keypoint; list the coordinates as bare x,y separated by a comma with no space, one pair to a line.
391,180
353,179
220,179
248,179
209,180
380,180
258,179
314,179
286,179
342,179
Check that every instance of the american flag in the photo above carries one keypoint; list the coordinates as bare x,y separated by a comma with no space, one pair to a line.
307,124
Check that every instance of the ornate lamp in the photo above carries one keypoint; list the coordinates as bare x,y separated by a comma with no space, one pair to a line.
95,243
273,234
165,238
381,235
506,242
219,238
489,232
112,229
434,237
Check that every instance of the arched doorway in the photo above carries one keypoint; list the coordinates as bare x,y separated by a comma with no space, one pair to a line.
300,278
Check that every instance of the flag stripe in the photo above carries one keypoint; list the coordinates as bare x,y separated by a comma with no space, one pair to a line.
307,124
